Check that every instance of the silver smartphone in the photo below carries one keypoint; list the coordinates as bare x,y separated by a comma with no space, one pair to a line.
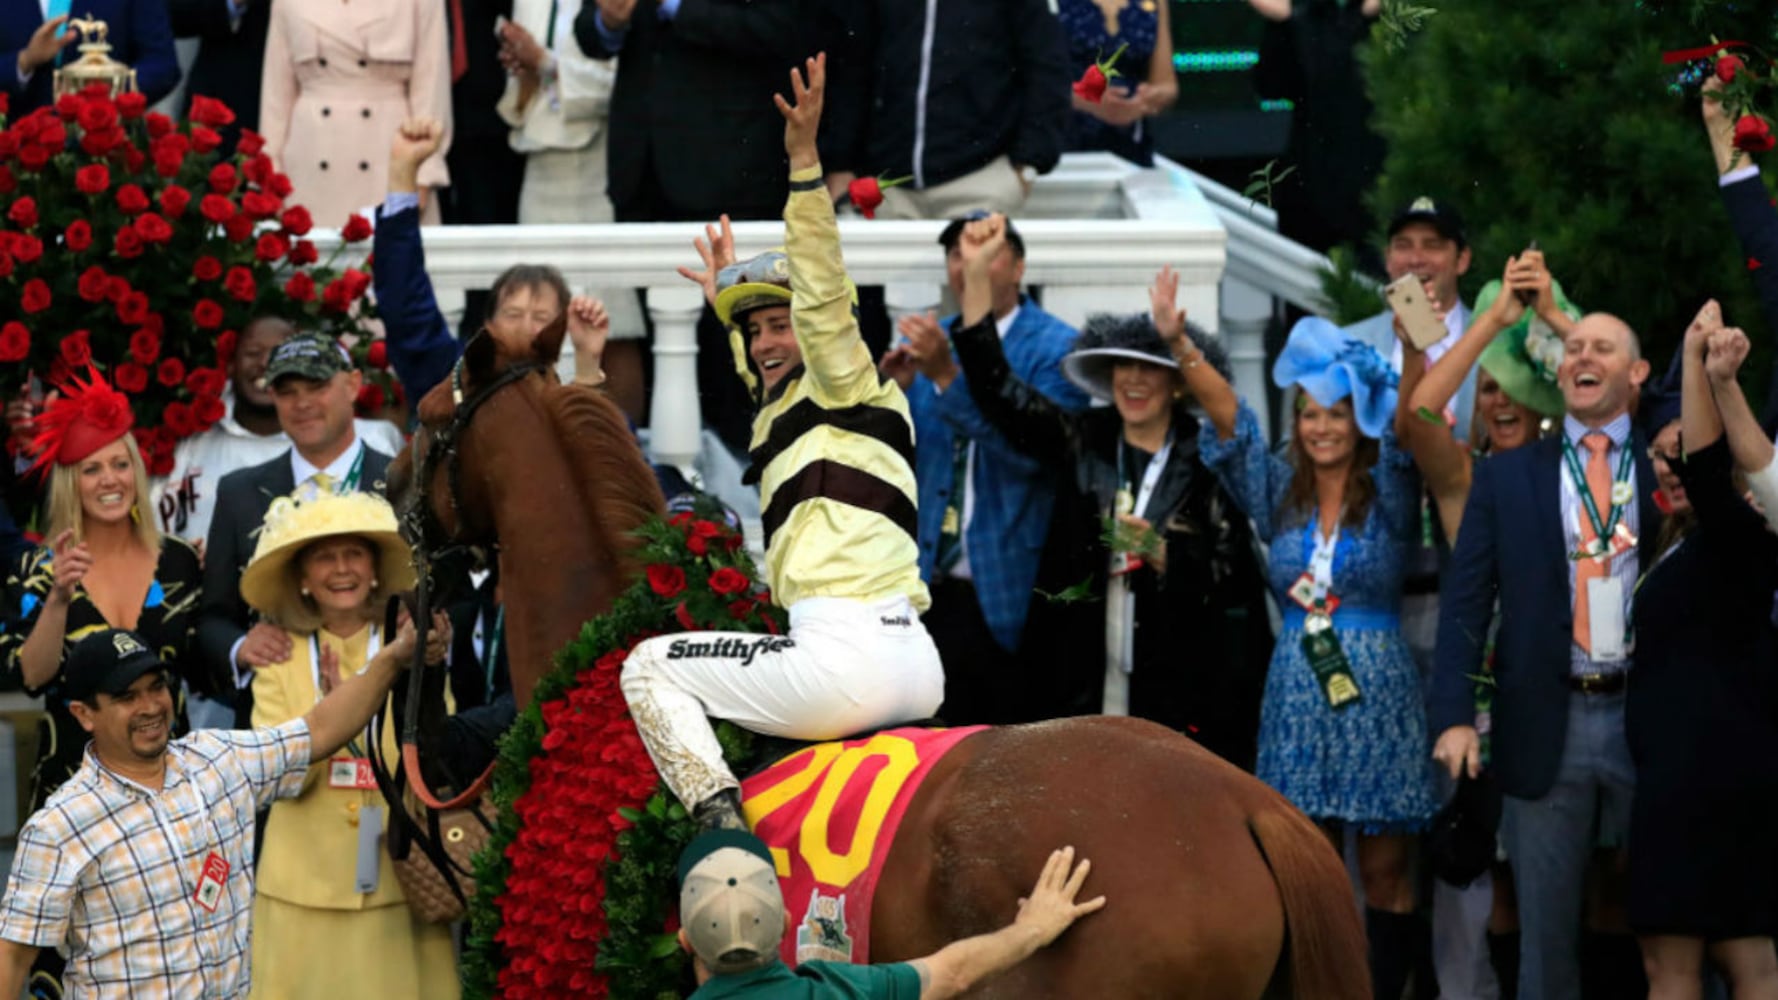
1407,297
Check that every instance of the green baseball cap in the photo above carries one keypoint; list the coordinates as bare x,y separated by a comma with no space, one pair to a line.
307,355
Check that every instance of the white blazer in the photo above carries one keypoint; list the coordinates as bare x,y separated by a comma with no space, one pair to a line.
570,109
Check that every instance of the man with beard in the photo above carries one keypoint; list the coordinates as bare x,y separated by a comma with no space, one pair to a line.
140,864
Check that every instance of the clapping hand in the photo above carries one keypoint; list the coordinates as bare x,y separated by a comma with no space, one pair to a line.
716,248
928,348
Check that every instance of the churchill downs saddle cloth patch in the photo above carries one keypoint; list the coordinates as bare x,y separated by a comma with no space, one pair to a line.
829,814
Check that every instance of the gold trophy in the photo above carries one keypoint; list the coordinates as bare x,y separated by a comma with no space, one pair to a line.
95,64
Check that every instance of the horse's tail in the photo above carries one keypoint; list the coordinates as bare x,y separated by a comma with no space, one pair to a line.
1325,941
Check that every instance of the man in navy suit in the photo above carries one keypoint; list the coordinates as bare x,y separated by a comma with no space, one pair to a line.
1558,716
33,34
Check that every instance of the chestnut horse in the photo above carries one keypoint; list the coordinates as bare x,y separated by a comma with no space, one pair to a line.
1217,887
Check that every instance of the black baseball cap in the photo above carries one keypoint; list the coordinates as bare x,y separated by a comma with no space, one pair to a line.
953,231
107,662
1440,215
306,355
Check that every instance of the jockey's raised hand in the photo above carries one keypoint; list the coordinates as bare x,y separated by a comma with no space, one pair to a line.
716,248
802,120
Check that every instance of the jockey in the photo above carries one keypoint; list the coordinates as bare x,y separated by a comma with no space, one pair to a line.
833,453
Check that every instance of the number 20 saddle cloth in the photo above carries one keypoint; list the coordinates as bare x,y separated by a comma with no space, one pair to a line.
829,813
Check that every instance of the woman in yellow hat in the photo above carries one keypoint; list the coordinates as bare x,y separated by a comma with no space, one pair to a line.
329,918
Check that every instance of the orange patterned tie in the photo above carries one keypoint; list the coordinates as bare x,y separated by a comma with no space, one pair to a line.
1597,445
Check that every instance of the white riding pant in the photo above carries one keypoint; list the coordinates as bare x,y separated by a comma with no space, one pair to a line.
846,666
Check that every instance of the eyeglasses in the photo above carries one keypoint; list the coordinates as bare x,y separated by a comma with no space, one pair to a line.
1657,455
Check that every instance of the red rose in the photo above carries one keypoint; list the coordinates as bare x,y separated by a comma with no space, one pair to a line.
133,310
336,296
301,287
92,179
238,228
377,354
357,228
131,105
170,372
204,140
206,314
153,229
259,170
98,115
729,580
216,208
260,205
92,284
666,581
684,616
297,221
210,111
168,164
251,143
132,200
705,529
699,545
304,253
866,194
279,185
69,105
102,141
734,542
8,183
357,282
15,341
117,289
222,178
133,159
23,212
33,157
129,243
240,284
77,349
78,236
225,346
131,377
370,398
52,136
26,249
179,420
9,144
158,124
1727,66
207,268
205,381
1092,83
1753,134
740,609
145,347
5,265
270,247
209,409
174,200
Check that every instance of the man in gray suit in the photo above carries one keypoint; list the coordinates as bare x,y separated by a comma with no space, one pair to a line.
314,388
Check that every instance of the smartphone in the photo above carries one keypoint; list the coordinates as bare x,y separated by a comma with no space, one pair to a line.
1407,296
1528,297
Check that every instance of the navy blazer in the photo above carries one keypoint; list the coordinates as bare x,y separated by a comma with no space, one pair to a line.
422,347
1512,547
138,30
1755,222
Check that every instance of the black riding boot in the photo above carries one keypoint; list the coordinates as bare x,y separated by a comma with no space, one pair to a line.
721,811
1393,938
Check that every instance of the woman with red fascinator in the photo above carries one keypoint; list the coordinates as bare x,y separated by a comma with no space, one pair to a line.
106,566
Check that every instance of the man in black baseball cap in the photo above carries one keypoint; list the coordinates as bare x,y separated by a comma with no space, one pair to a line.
1440,215
107,662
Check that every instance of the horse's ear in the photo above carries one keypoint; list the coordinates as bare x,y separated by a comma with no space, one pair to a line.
480,357
548,345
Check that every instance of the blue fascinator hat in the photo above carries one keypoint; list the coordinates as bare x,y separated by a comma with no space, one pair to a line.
1329,365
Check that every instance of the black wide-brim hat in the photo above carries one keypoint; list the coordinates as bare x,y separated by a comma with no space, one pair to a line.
1108,340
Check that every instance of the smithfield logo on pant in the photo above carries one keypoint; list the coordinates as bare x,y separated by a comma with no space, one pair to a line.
902,620
728,648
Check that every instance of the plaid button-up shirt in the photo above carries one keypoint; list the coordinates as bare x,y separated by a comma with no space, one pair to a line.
110,869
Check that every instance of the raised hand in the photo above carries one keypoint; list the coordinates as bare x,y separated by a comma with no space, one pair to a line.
50,38
589,326
1707,321
802,120
716,248
71,561
1163,306
1515,277
415,140
981,242
1727,349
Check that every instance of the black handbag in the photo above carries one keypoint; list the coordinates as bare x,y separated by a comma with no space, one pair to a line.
1461,844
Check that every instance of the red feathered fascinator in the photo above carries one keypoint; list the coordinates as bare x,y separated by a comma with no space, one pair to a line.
86,417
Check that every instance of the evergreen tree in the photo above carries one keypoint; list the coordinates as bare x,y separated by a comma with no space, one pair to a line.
1559,122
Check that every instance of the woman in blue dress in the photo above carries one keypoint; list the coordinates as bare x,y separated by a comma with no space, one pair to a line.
1145,85
1342,723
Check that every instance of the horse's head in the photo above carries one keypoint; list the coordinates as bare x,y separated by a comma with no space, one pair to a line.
433,483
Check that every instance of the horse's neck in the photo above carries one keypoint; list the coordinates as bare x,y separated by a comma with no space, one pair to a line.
556,571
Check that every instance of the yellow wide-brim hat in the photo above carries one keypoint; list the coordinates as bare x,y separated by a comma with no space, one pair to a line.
294,522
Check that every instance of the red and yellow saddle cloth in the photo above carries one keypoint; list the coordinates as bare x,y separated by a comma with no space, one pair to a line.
829,814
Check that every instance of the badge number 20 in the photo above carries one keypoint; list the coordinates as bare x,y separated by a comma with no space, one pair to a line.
832,868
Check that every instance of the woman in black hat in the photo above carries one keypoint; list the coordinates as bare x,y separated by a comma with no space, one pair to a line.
1163,558
1701,714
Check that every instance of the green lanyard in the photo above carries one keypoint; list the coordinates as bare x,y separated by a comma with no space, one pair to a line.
350,483
1601,529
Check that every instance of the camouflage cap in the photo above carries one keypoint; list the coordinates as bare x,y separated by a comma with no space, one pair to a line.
306,355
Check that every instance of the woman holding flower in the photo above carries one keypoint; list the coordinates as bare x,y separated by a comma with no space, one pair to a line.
107,566
329,918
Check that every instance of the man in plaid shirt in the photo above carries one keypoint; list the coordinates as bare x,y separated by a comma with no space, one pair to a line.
140,865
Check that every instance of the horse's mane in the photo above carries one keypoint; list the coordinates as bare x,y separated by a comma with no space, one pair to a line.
608,468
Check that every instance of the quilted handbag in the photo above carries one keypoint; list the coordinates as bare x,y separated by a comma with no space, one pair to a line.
435,896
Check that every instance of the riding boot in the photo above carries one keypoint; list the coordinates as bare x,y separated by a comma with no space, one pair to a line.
721,811
1392,938
1503,953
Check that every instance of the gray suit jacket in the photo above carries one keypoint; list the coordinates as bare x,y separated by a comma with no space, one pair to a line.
241,502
